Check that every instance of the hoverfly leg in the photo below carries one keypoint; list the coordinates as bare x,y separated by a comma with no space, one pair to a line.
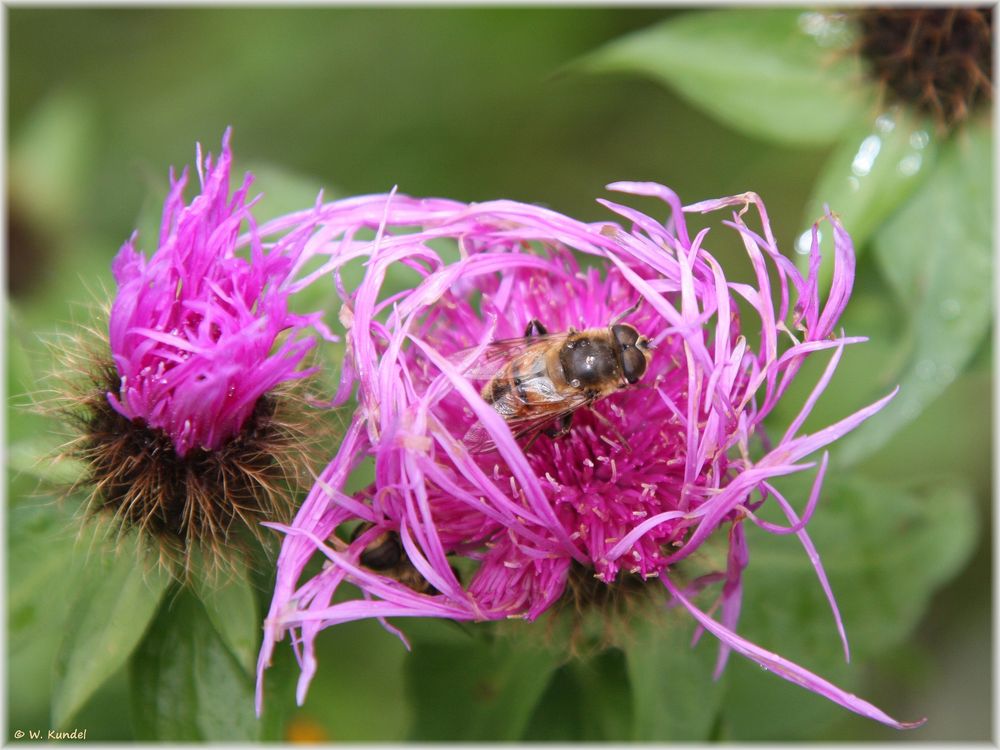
535,328
531,441
557,431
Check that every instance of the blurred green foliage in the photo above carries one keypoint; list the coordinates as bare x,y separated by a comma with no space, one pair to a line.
476,104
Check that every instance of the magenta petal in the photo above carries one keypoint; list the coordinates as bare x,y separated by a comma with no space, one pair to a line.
786,669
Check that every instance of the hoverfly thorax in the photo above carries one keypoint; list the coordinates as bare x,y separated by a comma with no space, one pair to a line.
588,362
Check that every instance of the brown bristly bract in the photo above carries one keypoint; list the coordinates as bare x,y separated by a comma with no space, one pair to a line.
198,514
938,60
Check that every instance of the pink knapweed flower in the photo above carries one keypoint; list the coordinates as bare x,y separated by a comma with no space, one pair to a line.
193,330
643,478
183,428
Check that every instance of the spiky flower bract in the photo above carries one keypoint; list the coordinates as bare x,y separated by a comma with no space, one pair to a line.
643,478
190,426
937,60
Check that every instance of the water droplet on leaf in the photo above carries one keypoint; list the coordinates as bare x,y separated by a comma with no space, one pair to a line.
909,165
885,123
919,139
828,29
803,245
868,151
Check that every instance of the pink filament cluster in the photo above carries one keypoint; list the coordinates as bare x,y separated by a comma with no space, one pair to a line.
194,330
643,478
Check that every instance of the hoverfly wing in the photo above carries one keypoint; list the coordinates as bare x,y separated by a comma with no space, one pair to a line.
545,408
478,440
495,356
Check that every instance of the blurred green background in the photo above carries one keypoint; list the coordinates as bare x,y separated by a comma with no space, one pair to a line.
470,104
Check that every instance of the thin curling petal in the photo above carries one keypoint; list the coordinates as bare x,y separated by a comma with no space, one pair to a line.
786,669
843,276
477,512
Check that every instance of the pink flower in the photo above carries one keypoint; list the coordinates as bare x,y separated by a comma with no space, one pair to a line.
194,330
191,432
643,477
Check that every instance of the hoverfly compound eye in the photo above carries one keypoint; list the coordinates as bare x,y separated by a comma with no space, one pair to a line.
631,347
633,364
625,335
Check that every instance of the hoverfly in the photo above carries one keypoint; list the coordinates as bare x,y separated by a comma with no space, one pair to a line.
536,382
385,555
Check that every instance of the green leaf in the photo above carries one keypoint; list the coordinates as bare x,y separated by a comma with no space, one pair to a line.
279,695
674,696
39,554
475,691
774,74
586,700
232,609
606,697
885,549
113,607
931,447
937,254
39,577
866,178
954,209
186,685
559,715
